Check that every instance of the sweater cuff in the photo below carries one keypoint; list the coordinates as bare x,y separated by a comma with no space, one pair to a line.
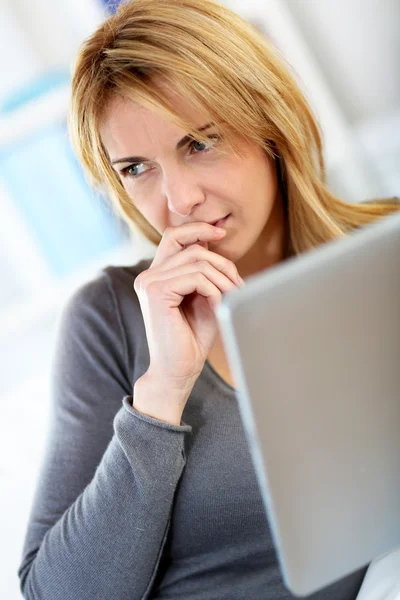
157,446
127,404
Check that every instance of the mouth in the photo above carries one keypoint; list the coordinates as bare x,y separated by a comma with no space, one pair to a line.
220,222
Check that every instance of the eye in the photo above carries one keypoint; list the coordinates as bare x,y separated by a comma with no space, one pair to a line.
133,170
201,147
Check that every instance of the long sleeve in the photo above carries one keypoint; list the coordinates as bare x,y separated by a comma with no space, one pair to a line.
106,488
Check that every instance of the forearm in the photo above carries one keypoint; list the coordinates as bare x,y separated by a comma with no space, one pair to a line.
108,543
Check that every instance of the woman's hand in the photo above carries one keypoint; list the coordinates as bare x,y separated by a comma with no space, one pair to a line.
177,295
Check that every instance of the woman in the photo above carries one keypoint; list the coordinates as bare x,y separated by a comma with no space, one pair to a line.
186,116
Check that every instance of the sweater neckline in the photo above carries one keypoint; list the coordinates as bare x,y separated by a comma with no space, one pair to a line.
218,379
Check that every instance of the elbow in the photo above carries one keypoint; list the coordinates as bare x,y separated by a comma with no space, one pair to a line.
25,580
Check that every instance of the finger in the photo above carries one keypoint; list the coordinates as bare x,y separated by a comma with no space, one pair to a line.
196,253
202,244
174,290
221,281
175,239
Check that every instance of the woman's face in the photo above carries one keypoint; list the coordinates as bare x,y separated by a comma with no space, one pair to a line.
173,181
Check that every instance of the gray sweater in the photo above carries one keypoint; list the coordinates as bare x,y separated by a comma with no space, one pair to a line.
128,507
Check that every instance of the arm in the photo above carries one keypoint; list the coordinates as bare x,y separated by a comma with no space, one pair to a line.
104,496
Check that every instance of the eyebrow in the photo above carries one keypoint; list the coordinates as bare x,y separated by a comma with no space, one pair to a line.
182,142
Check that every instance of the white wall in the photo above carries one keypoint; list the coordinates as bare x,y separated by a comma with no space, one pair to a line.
18,61
57,28
39,35
357,45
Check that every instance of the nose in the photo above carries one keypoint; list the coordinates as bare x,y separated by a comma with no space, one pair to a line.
182,188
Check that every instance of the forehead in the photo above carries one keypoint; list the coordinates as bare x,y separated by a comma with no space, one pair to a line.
126,124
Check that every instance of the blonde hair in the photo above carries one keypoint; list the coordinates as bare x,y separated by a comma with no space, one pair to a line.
225,66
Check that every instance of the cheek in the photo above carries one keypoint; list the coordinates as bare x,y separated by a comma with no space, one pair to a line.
246,182
263,177
253,169
135,198
232,180
134,193
147,206
256,189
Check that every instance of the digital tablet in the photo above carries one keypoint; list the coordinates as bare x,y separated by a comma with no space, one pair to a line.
313,345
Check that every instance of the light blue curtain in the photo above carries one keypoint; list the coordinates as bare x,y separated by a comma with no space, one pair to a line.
70,224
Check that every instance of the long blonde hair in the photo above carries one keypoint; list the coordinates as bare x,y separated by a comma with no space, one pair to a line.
225,66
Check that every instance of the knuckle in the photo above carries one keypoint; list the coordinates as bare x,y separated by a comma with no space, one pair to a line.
233,269
194,248
203,264
230,268
152,288
200,276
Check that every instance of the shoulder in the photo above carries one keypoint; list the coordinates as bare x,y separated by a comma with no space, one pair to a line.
120,279
101,322
105,289
100,305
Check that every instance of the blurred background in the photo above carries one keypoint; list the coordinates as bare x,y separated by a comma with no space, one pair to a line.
56,233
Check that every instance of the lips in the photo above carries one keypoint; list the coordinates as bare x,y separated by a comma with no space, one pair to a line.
220,222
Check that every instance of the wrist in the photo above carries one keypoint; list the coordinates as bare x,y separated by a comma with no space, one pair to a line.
159,399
